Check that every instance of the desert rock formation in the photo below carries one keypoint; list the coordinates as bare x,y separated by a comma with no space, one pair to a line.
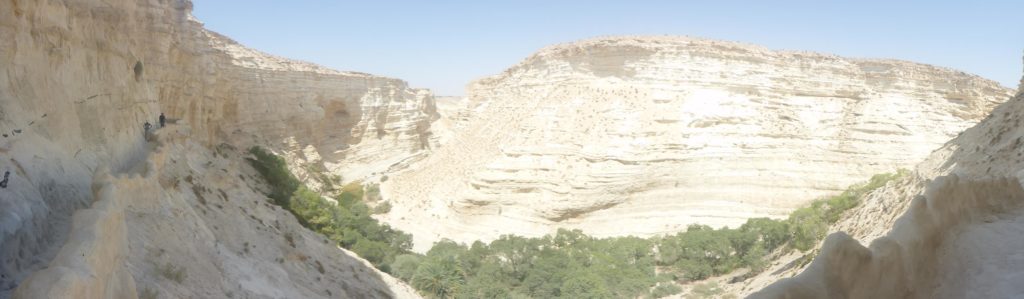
185,209
351,124
645,135
81,77
949,231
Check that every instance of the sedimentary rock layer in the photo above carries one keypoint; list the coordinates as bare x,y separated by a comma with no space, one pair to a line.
948,231
79,78
641,136
188,222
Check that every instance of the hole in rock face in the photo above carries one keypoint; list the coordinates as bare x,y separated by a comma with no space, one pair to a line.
138,70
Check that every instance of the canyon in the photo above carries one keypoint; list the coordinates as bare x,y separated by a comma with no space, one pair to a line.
946,231
646,135
614,136
81,77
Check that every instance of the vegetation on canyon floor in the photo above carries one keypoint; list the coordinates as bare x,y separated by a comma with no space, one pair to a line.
346,222
568,264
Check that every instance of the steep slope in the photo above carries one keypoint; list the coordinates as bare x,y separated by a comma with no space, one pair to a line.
350,124
200,213
949,231
451,113
641,136
79,79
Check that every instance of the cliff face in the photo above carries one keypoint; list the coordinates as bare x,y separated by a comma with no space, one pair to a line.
79,78
948,231
640,136
353,124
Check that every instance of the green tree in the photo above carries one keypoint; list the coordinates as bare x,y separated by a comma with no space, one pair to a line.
772,232
405,265
547,272
567,264
439,277
275,171
665,290
585,285
483,287
515,254
375,252
807,227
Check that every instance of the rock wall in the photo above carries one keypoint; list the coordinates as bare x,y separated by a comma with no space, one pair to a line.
949,231
200,212
351,124
79,78
643,136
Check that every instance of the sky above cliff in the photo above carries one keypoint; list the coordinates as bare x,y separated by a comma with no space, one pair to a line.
443,45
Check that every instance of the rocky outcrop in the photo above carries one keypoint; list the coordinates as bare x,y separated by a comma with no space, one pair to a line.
351,124
80,78
91,264
949,231
190,222
642,136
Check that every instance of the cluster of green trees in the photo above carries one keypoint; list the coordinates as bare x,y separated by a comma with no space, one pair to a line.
701,252
568,264
346,222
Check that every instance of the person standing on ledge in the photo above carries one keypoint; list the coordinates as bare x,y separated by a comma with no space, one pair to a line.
162,119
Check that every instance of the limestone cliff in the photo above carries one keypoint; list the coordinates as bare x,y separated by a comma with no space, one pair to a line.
192,222
645,135
948,231
79,78
353,124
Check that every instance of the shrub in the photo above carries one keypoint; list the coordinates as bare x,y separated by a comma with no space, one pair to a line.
275,171
808,225
348,222
373,193
382,208
353,191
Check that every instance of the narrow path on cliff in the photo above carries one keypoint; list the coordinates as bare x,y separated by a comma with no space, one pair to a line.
62,223
140,166
983,259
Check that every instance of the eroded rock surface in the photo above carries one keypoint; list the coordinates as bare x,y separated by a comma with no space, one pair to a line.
191,222
642,136
79,79
947,231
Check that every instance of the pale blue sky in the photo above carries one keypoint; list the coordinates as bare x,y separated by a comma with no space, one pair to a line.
442,45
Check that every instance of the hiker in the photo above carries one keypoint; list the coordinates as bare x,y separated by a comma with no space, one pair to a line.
162,119
7,175
147,126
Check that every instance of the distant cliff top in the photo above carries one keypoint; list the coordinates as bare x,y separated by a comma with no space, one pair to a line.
730,49
248,57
